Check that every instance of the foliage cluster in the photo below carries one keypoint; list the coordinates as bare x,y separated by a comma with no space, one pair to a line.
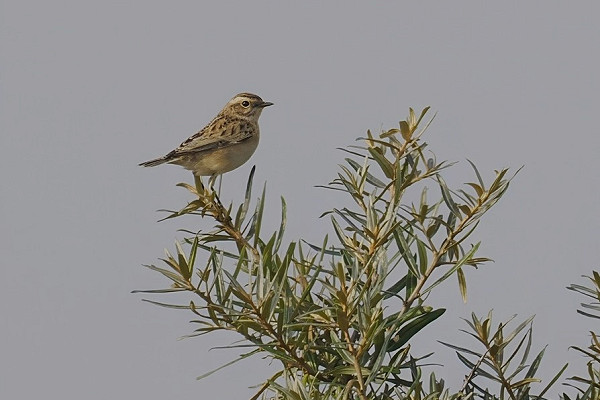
339,316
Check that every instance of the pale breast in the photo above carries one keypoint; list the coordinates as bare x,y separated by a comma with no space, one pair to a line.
220,160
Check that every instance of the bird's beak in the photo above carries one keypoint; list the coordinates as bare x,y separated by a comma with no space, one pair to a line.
264,104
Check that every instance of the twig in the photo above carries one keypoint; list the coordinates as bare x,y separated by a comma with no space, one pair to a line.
221,215
471,375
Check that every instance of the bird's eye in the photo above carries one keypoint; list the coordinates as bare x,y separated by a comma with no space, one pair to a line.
245,103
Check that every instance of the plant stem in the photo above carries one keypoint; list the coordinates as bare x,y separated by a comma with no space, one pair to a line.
221,215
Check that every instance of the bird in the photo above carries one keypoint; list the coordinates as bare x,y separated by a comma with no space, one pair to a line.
227,142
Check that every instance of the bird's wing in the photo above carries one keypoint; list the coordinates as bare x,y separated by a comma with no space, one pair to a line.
220,132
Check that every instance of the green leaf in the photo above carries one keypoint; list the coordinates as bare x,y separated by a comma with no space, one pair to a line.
258,214
395,288
243,209
413,327
404,247
405,130
480,371
422,252
342,320
175,306
422,115
170,275
461,349
517,330
478,189
282,225
552,382
386,166
192,258
412,118
524,382
369,177
389,133
481,184
462,284
240,358
448,197
184,268
170,290
466,258
433,228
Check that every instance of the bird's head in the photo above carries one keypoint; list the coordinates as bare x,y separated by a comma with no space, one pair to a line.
247,105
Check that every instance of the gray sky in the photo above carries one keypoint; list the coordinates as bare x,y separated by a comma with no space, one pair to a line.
90,89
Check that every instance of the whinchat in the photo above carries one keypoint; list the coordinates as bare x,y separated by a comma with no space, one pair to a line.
227,142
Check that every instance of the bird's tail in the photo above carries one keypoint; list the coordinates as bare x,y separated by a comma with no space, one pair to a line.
155,162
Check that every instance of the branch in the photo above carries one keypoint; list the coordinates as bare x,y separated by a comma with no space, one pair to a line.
214,207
